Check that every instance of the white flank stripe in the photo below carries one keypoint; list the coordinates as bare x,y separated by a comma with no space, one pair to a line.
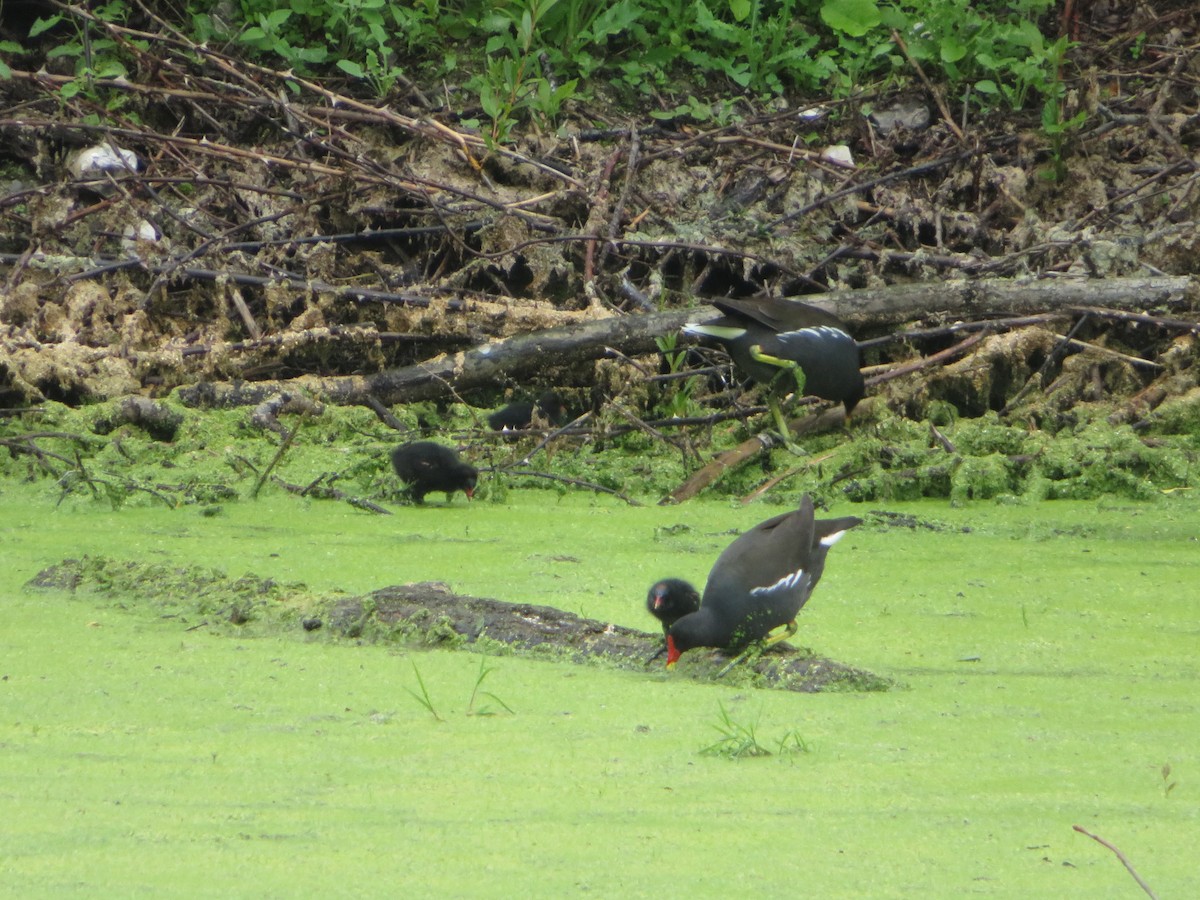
819,330
830,539
783,584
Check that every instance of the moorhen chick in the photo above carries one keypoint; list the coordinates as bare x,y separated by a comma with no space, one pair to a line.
425,466
761,581
519,415
670,600
789,346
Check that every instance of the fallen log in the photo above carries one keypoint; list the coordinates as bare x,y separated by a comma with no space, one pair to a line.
515,358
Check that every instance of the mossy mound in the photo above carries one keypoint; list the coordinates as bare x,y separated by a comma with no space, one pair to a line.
425,614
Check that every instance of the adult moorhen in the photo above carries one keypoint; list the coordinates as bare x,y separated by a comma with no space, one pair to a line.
789,346
425,466
761,581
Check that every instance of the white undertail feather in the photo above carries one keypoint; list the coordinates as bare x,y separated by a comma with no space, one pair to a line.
726,332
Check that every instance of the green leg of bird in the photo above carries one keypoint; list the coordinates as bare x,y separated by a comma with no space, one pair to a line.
755,650
793,371
749,655
785,433
788,630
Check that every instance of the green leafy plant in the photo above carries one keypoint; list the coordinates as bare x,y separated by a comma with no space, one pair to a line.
525,58
678,397
423,697
1055,127
94,54
754,49
998,51
510,85
739,741
275,33
8,47
378,67
484,671
719,112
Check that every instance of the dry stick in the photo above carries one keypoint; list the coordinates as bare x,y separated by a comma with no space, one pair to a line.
1140,405
927,361
1137,318
912,172
1113,354
771,482
701,479
614,353
1059,349
955,327
945,442
639,425
937,95
578,420
243,310
1112,205
385,414
631,167
601,196
1121,856
328,492
578,482
287,442
938,260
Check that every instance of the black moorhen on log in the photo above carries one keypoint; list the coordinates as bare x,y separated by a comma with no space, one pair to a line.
789,346
761,581
425,466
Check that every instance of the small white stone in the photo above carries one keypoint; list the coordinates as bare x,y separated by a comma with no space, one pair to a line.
135,233
93,162
839,155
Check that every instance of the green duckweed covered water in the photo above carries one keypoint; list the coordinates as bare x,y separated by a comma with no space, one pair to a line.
1048,653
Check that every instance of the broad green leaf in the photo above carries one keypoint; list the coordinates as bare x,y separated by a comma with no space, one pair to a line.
854,17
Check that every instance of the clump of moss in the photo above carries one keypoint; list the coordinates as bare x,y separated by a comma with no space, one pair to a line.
982,478
1179,415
